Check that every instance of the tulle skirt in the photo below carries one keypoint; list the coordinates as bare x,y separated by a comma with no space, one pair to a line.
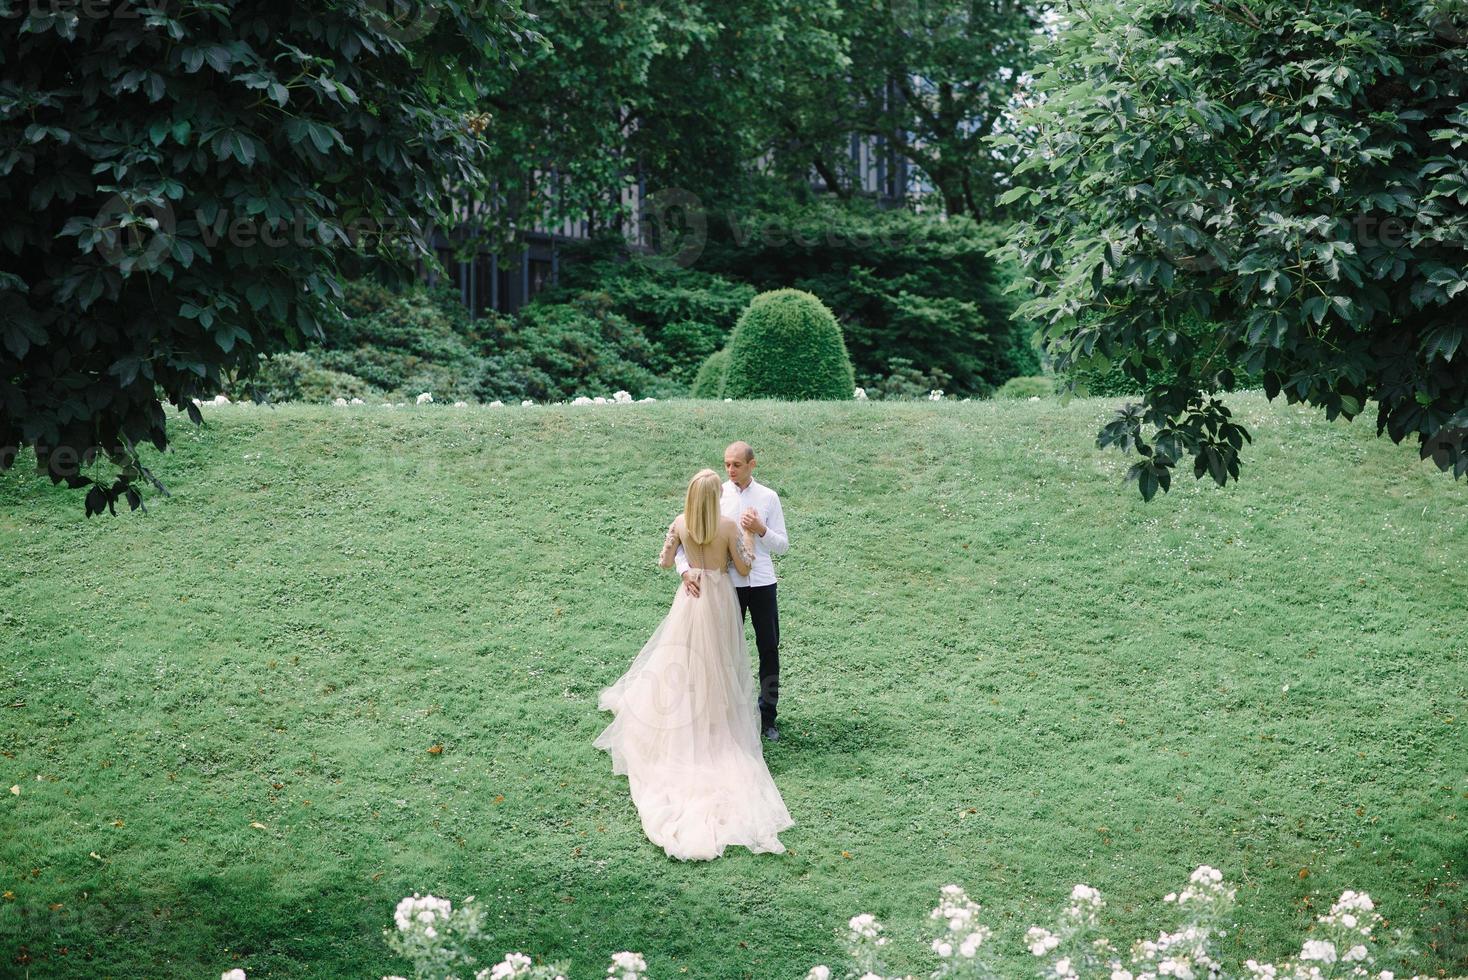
686,732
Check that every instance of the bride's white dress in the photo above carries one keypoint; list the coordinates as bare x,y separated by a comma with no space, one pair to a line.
686,732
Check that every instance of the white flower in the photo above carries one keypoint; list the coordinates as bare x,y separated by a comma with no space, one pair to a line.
622,397
581,400
1035,398
649,398
425,397
220,400
728,399
513,965
1062,966
1318,949
1084,893
461,404
864,925
1040,941
526,403
1117,973
1356,953
860,394
339,401
599,400
235,974
819,973
357,401
936,395
943,948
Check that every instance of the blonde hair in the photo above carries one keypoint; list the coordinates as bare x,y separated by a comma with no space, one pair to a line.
701,509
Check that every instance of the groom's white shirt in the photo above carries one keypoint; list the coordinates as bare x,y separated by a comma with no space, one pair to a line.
775,540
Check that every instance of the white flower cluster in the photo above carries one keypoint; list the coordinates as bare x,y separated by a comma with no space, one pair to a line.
936,395
434,935
963,935
619,398
627,966
423,912
1343,948
426,398
518,966
860,394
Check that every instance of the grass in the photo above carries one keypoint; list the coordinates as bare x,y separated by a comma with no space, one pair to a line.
1001,669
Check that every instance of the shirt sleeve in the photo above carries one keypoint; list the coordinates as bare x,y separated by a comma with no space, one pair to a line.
681,560
776,539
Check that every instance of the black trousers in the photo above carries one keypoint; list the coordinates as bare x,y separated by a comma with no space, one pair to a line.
758,602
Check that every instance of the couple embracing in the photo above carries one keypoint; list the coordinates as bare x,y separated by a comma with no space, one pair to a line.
687,723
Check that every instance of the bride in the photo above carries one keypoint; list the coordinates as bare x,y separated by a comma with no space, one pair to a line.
685,729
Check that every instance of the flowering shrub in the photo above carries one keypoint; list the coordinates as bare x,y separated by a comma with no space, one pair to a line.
1072,948
434,936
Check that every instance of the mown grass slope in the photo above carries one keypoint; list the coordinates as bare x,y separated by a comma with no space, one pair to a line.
1001,669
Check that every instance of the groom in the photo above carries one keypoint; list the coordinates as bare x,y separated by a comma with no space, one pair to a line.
757,508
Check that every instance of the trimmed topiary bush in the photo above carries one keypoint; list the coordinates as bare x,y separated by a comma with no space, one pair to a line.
788,345
712,375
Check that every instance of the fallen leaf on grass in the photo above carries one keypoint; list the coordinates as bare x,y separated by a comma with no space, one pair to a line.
258,825
435,750
15,790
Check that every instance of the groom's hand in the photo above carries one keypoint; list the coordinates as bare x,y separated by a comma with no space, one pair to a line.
690,582
750,521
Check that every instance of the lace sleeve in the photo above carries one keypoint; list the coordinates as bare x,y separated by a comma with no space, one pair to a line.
745,554
670,545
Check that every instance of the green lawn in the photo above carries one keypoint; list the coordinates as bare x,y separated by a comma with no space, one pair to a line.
1001,669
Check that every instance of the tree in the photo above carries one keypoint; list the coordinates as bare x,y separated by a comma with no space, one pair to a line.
1293,177
930,79
181,183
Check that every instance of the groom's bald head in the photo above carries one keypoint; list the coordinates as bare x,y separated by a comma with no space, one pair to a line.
738,461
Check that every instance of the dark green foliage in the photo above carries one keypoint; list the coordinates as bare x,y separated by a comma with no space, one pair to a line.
1132,374
1034,386
180,183
788,345
297,376
409,342
1202,160
905,382
685,314
712,375
556,351
903,286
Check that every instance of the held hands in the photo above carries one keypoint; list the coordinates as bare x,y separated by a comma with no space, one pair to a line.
690,582
750,521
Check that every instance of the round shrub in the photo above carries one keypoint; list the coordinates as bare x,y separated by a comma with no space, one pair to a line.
712,375
788,345
1041,385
